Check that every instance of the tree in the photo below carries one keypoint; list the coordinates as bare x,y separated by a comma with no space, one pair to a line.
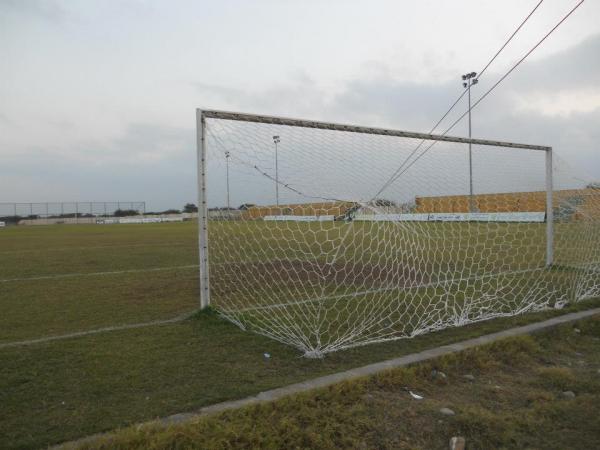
121,213
593,185
190,208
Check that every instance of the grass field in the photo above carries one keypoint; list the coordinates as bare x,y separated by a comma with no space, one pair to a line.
56,280
514,400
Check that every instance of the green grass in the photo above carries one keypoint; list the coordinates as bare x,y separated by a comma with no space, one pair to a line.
45,307
63,390
52,250
54,307
514,402
66,389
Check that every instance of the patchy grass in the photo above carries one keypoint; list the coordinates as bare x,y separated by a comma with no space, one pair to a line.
38,308
56,307
79,299
64,390
515,401
67,389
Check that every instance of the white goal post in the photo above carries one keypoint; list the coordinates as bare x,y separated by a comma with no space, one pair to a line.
348,235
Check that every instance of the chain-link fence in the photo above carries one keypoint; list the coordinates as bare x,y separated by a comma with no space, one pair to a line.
68,212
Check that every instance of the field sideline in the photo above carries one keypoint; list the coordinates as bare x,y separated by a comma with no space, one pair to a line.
57,280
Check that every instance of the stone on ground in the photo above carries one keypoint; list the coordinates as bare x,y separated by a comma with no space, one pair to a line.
457,443
568,394
438,374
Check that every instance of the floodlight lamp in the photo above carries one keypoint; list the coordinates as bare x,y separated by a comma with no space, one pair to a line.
473,74
464,84
464,77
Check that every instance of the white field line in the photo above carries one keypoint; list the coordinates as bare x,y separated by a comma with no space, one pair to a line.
391,288
154,269
97,331
591,267
95,247
93,274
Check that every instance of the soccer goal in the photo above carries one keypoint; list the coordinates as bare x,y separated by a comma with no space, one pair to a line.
327,236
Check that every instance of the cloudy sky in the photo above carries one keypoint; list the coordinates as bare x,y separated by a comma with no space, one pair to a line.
97,98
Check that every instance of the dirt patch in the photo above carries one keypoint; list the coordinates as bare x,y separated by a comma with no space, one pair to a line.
233,277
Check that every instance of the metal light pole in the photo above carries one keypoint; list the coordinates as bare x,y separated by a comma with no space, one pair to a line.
276,140
227,155
468,81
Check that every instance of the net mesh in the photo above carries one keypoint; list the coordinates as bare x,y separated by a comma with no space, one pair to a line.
326,239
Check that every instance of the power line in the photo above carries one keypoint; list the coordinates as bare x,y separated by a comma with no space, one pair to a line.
489,90
390,180
509,39
518,63
393,177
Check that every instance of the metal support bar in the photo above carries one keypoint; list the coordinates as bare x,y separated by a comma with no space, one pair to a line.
276,179
202,210
471,198
225,115
549,211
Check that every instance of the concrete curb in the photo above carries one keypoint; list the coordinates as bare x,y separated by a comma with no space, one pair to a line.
328,380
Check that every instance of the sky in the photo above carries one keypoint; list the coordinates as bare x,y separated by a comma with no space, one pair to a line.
98,98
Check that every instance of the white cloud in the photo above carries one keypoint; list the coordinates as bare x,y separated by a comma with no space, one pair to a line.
109,89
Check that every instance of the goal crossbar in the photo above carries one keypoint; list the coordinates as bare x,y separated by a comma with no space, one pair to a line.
303,123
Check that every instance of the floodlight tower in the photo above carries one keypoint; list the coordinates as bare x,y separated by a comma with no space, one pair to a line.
276,140
469,79
227,156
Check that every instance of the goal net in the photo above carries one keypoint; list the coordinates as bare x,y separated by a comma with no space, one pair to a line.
326,236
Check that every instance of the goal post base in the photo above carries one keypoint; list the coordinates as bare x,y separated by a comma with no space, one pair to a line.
314,354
